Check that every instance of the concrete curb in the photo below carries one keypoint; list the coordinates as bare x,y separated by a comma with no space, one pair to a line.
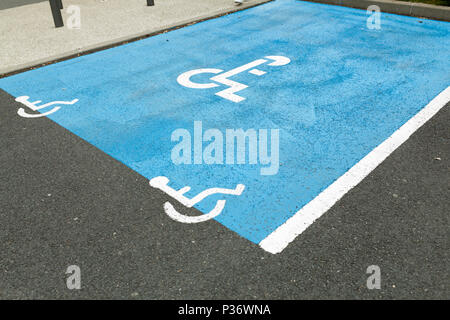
5,72
413,9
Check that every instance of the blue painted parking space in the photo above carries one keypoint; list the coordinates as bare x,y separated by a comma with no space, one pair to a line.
313,89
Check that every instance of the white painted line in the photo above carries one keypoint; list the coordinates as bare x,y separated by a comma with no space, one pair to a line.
299,222
257,72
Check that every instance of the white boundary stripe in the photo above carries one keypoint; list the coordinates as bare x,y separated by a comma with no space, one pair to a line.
299,222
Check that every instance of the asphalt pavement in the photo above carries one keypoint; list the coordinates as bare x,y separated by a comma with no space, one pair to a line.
64,202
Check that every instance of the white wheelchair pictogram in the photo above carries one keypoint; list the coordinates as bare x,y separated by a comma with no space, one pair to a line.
34,106
224,78
161,183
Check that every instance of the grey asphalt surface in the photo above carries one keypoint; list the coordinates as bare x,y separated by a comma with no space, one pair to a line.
64,202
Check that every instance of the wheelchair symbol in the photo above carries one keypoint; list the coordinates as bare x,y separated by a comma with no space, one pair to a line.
223,78
33,106
161,184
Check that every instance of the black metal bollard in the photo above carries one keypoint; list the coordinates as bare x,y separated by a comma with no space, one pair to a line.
56,6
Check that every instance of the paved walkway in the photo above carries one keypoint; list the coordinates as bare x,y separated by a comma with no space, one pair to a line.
29,36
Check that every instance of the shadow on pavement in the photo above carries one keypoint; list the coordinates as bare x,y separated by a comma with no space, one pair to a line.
6,4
